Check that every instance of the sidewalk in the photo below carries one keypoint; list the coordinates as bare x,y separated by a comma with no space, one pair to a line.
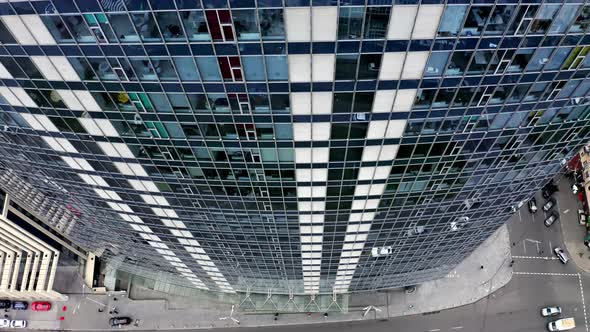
573,232
466,284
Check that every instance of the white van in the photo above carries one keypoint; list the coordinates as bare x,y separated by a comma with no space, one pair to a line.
563,324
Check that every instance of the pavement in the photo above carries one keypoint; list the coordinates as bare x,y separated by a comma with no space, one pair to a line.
573,232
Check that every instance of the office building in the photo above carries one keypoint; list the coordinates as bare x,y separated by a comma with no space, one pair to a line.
304,147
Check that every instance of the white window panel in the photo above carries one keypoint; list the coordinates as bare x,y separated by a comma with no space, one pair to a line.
401,22
305,229
38,29
304,206
366,173
298,27
88,179
355,216
323,67
302,131
414,66
347,246
303,175
321,131
320,155
70,100
391,65
161,200
318,191
4,73
123,150
300,68
318,206
351,228
66,145
301,103
311,247
388,152
107,128
372,204
311,219
371,153
65,68
87,100
427,21
305,218
32,121
377,129
383,101
23,97
324,23
108,149
361,190
304,192
53,143
382,172
355,238
377,189
358,204
150,200
137,169
18,30
322,102
180,233
364,228
395,129
404,100
91,127
101,193
46,68
124,168
78,163
9,96
319,174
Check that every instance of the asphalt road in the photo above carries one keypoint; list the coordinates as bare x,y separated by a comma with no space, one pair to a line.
539,280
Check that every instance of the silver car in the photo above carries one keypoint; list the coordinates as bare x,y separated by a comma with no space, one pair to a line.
550,311
551,219
549,205
563,257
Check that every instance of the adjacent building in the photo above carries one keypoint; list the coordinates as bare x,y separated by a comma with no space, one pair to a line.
307,147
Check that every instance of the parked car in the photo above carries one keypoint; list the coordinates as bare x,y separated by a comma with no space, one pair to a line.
550,311
5,304
551,219
549,189
5,323
119,321
18,324
532,205
41,306
20,305
563,257
549,205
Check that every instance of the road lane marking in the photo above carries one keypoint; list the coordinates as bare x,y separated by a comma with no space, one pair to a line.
583,301
434,330
457,327
536,257
546,274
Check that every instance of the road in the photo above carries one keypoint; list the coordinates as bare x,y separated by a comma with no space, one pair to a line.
539,280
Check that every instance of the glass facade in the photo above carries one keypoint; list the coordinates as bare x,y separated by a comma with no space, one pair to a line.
305,147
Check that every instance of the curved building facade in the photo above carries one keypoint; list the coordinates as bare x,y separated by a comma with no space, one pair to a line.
304,147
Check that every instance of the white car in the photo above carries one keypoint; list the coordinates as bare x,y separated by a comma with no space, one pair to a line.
4,322
563,257
550,311
18,324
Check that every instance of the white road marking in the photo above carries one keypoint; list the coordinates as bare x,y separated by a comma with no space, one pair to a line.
434,330
583,301
519,216
550,246
524,246
535,257
457,327
546,274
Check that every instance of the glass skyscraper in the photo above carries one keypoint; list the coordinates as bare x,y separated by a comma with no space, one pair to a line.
301,146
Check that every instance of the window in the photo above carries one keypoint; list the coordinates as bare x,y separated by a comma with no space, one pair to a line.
123,28
346,65
187,70
436,64
539,59
350,22
170,26
563,19
582,22
452,21
208,68
376,19
276,68
245,24
458,63
195,25
545,16
78,28
253,68
369,65
475,21
558,58
56,27
146,27
272,26
499,19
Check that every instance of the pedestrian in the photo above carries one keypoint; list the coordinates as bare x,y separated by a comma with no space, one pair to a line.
481,267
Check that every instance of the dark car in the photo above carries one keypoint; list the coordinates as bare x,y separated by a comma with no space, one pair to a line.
20,305
551,219
5,304
549,189
119,321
